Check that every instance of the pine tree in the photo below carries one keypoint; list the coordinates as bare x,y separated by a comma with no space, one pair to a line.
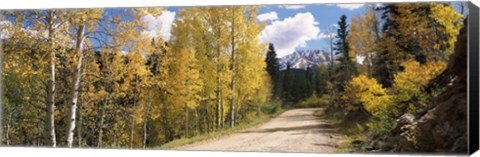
310,81
321,80
24,77
273,69
347,66
421,31
288,79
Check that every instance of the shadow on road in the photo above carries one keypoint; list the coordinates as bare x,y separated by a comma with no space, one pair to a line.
322,128
325,145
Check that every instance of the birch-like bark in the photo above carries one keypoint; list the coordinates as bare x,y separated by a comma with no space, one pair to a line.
79,129
102,120
186,120
232,68
208,121
132,125
218,32
219,90
50,131
197,122
76,85
7,134
145,121
222,116
80,116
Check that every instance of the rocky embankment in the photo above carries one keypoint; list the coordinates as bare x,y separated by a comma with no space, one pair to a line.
443,128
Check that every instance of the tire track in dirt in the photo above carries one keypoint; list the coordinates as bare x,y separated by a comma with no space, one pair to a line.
296,130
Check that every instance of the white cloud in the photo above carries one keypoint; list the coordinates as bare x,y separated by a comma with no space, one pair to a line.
267,16
161,25
326,35
350,6
4,33
291,33
378,4
292,7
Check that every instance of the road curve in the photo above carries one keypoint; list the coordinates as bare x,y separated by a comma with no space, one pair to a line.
296,130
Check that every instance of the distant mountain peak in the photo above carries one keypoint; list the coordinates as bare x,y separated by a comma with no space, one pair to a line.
303,59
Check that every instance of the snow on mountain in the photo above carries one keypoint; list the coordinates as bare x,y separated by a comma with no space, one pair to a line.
305,58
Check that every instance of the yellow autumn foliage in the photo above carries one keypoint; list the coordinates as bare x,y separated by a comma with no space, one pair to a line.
410,83
369,93
447,17
433,26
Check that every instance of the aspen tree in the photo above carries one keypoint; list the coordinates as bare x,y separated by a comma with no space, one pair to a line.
81,20
363,37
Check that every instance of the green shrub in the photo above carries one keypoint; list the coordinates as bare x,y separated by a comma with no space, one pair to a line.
314,101
409,85
270,108
382,124
389,143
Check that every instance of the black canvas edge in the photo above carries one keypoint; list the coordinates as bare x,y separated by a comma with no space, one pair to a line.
473,80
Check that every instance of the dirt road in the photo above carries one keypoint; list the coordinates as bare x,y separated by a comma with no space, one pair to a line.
296,130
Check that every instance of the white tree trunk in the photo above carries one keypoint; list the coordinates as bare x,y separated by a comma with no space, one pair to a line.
186,120
132,125
219,90
50,132
102,121
145,120
76,85
232,68
7,134
80,116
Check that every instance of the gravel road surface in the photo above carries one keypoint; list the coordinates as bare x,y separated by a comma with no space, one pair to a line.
296,130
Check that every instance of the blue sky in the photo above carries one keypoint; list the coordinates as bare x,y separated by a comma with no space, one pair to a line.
290,27
325,16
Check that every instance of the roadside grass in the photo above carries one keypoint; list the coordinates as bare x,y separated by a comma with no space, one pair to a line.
313,101
264,117
351,136
351,133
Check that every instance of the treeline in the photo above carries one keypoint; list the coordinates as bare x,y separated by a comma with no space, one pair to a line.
294,85
385,61
94,78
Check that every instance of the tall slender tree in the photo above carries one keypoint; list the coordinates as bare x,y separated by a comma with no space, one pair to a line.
363,39
273,69
347,65
288,79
